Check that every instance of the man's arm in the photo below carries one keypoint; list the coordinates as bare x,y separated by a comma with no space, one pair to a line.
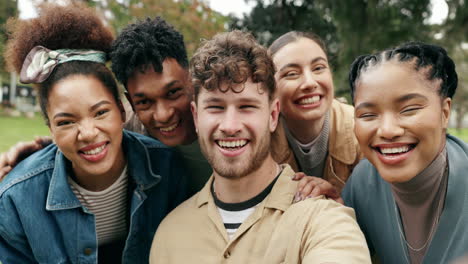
333,236
317,231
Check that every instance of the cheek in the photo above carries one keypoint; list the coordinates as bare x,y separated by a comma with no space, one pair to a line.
363,132
145,117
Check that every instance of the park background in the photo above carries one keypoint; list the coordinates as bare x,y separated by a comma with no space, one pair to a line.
349,27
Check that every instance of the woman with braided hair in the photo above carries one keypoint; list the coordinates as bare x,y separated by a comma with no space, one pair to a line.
99,193
411,194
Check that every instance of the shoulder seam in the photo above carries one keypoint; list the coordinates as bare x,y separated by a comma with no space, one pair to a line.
25,177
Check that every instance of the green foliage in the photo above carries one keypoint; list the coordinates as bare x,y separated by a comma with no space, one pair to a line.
459,133
193,18
350,28
8,9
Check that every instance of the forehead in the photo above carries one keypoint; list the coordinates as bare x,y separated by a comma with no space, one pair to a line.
249,91
391,79
301,50
87,88
150,81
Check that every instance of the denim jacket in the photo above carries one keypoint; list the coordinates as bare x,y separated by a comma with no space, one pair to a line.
42,221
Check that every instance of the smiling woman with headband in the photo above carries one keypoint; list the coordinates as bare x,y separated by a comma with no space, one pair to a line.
98,193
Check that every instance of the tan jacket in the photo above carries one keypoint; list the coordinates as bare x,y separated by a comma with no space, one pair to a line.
312,231
343,148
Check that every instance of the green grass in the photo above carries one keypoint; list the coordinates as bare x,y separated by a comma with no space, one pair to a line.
461,134
15,129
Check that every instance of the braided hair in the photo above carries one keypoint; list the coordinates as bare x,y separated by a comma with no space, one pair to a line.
431,59
145,43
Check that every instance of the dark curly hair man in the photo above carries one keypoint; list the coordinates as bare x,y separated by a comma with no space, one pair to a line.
150,60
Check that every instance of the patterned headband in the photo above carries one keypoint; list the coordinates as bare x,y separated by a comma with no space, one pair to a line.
40,62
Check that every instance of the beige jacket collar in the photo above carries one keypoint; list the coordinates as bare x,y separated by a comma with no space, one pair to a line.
342,141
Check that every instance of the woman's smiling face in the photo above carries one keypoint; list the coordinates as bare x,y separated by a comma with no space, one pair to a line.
86,124
304,79
400,119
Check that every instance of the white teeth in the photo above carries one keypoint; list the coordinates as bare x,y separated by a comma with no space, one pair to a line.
394,150
169,128
95,151
232,144
310,100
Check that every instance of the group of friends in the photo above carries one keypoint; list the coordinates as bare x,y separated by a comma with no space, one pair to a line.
241,155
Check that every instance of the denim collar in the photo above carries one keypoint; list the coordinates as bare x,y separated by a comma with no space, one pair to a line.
140,169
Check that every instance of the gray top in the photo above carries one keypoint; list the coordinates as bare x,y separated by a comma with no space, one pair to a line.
373,201
420,202
311,156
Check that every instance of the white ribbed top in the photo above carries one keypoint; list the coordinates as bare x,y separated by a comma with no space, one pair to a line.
109,207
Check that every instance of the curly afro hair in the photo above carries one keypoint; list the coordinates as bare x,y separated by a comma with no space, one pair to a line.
74,26
145,43
57,27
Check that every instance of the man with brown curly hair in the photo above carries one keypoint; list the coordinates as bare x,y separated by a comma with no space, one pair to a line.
244,214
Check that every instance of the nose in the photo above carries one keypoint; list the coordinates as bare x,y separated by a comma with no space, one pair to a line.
163,113
87,131
390,128
309,81
230,123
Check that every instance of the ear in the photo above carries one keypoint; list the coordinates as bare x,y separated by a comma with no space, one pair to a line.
274,114
193,108
446,107
129,99
122,110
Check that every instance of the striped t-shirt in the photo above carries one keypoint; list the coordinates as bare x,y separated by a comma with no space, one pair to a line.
234,214
108,206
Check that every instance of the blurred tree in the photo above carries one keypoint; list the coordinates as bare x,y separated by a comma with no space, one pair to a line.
193,18
350,28
453,35
8,8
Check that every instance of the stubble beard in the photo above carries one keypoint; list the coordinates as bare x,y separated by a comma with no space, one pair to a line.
238,169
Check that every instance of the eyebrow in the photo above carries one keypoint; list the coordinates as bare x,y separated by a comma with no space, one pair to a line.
165,88
92,108
364,105
241,100
399,100
297,65
410,96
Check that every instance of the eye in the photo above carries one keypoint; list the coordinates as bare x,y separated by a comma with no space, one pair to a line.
64,123
142,102
366,116
410,110
214,107
101,112
319,68
247,107
291,74
174,93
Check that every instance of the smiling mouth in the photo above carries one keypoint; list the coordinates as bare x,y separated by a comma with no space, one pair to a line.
232,144
308,100
394,151
169,128
94,151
